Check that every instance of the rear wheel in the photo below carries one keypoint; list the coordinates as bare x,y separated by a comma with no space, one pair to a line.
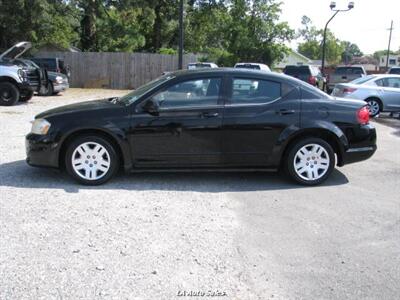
310,161
374,107
9,94
91,160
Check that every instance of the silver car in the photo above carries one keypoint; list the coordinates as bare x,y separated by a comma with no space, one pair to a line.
381,92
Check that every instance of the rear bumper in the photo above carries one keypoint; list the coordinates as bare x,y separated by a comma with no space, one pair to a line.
41,151
362,144
353,155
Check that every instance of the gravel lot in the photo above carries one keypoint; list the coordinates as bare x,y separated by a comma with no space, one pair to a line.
150,236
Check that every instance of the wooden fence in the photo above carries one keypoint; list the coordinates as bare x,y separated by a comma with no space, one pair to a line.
116,70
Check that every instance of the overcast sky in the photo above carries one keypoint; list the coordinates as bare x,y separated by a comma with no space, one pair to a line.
366,24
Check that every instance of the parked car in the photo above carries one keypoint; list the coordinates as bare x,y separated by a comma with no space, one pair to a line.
306,73
57,82
394,70
278,122
343,74
53,65
381,92
253,66
18,83
201,65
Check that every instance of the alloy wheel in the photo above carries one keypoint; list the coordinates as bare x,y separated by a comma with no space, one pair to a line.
373,107
91,161
311,162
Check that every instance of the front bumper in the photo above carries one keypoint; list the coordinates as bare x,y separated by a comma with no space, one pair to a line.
41,151
60,87
26,86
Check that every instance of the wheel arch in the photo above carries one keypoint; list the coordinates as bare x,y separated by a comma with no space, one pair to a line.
9,79
123,153
337,141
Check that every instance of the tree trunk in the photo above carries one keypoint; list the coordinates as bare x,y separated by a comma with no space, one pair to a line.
88,26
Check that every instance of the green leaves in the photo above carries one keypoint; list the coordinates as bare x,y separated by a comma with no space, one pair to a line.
225,31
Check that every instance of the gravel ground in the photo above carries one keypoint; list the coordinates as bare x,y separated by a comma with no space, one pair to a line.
156,236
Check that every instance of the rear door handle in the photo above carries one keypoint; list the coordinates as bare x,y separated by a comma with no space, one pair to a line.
210,115
285,112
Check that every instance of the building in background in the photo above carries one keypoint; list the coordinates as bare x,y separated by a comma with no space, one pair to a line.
294,58
394,60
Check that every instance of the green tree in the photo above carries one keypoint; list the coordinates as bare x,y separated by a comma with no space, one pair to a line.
312,45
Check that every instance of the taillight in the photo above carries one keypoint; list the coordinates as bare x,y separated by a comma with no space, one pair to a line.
348,90
363,115
312,80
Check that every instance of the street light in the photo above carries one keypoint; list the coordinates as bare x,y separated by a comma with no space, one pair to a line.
333,8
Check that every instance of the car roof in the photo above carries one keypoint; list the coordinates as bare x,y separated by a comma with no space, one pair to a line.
234,71
350,66
385,75
249,63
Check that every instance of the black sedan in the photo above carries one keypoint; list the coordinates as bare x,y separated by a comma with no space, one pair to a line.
207,119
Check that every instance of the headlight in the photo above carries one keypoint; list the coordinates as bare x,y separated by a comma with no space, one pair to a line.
59,79
21,74
40,126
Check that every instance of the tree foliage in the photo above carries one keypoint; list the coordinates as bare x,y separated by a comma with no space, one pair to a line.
336,50
222,30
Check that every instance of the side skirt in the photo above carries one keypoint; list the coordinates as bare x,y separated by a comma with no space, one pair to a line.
174,170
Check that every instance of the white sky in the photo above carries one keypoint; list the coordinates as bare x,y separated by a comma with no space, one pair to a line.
366,24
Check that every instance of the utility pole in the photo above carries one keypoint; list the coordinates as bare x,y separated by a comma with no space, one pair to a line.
388,52
181,31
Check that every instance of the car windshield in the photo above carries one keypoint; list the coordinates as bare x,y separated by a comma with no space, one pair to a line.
139,92
362,80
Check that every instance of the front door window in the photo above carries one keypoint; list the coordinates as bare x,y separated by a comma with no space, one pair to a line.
190,93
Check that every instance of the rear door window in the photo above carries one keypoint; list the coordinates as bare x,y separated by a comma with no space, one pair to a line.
391,82
254,91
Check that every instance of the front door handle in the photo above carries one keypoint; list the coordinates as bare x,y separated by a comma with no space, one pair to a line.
285,112
210,115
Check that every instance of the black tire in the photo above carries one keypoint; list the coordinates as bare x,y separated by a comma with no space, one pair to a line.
9,94
374,103
289,162
114,161
47,91
26,96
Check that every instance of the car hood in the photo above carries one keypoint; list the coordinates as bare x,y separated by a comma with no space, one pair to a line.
16,51
80,107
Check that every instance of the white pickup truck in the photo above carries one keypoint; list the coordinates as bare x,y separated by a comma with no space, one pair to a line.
18,83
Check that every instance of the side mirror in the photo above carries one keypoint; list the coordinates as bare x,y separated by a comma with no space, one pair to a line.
151,107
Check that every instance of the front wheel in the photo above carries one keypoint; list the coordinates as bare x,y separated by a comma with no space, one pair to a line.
91,160
46,91
9,94
310,161
26,96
